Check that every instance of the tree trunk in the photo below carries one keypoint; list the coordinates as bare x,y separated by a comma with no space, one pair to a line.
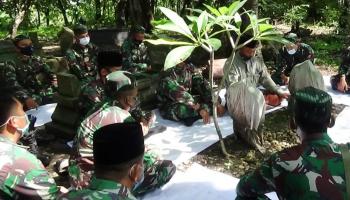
98,10
140,13
47,16
63,11
120,13
21,11
39,19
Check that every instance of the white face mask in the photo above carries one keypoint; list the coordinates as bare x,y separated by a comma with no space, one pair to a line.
84,41
25,130
292,51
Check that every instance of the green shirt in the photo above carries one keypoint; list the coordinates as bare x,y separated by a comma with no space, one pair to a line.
22,175
311,170
100,189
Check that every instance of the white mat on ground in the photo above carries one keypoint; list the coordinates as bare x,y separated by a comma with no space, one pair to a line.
198,182
340,133
43,114
180,143
338,97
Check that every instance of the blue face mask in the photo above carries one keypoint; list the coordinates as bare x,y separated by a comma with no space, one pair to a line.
28,50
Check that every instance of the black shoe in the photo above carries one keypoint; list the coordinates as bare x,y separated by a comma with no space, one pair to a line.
190,120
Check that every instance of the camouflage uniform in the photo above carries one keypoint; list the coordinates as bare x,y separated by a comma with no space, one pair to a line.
94,93
179,89
22,175
157,172
28,78
286,62
344,70
82,62
311,170
135,56
100,189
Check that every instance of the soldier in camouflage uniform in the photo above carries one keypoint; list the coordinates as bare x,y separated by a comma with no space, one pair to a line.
185,95
134,50
82,56
341,81
121,96
117,174
28,76
313,169
290,55
22,175
94,92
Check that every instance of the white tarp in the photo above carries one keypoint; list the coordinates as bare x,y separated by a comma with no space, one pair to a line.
43,114
199,183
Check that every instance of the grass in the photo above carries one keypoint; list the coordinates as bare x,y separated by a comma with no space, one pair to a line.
44,33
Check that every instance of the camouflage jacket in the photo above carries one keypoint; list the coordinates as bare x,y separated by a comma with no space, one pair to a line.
286,62
311,170
22,175
135,56
93,93
107,112
344,69
28,78
82,62
100,189
184,85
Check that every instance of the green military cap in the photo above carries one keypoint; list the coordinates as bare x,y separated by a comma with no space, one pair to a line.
292,37
118,143
19,38
121,80
80,29
137,29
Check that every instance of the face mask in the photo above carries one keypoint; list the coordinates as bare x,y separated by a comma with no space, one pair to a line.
25,130
84,41
139,180
28,50
138,42
135,105
246,58
292,51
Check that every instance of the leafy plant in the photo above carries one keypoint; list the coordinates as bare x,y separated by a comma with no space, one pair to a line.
200,32
296,13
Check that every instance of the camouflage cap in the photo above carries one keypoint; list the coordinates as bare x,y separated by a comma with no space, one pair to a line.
124,140
80,29
137,29
292,37
120,80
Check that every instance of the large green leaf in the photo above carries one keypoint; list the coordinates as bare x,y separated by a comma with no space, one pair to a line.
178,21
172,28
235,6
177,56
238,19
167,42
265,27
192,18
213,10
202,22
223,10
275,38
215,43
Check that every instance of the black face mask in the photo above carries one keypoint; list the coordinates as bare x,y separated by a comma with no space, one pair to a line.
138,42
246,58
28,50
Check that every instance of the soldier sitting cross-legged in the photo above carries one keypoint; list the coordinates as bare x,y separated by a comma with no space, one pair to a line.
121,96
118,154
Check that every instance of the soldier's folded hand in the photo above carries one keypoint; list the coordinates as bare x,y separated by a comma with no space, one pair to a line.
342,85
205,116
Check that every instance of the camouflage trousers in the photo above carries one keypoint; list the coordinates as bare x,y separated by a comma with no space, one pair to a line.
178,112
156,173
